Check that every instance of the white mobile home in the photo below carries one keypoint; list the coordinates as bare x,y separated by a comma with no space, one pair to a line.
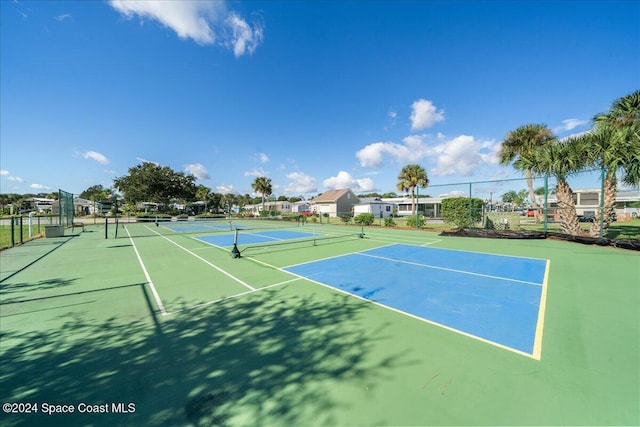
377,207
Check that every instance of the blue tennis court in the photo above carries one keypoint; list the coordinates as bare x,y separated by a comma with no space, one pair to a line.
499,299
249,238
203,227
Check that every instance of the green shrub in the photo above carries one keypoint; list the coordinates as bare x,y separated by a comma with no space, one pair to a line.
210,216
411,221
462,211
345,218
389,222
364,219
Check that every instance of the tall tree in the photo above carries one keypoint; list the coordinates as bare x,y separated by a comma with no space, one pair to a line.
613,144
202,194
262,185
149,182
410,177
95,193
520,144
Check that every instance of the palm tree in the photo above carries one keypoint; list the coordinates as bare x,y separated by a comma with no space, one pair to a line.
409,178
614,145
520,144
202,194
262,185
560,159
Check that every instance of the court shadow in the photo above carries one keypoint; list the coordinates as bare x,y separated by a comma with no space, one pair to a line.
26,287
268,359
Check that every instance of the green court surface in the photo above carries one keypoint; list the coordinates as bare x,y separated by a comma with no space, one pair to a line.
170,330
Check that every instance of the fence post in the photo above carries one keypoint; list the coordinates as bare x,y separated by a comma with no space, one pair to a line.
417,204
546,202
13,238
470,206
602,177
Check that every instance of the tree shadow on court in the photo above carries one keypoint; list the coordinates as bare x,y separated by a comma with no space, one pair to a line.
24,288
265,359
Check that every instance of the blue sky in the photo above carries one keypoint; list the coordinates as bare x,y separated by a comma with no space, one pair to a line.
314,95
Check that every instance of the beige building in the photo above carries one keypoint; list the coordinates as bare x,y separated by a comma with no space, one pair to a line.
335,202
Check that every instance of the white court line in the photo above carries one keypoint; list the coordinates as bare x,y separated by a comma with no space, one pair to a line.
450,269
204,304
156,296
205,261
330,257
414,241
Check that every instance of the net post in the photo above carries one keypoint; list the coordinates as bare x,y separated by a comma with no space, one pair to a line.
106,227
235,253
117,226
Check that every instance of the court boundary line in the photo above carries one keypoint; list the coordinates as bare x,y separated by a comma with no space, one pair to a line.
537,341
476,252
154,291
320,259
226,273
385,240
449,269
256,290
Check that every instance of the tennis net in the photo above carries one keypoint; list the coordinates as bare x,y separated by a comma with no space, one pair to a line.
250,242
165,226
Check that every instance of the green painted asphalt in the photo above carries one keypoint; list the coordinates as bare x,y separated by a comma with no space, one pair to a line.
244,343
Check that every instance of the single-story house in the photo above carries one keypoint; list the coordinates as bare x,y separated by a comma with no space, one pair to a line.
301,207
269,206
335,202
588,201
376,206
431,207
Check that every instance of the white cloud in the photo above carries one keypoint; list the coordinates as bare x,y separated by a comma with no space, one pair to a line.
261,157
413,150
302,183
345,180
225,189
16,178
454,193
463,154
244,39
205,22
457,156
39,187
256,172
4,172
424,114
94,155
62,17
569,124
197,170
